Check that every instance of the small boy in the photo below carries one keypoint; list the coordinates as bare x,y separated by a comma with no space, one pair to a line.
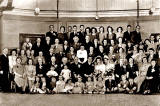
123,84
132,87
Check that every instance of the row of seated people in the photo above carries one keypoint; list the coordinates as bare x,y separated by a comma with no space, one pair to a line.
75,55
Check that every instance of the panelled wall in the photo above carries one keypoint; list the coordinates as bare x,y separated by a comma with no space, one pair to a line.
85,5
12,26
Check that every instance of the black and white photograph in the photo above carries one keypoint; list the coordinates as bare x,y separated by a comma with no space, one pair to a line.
79,52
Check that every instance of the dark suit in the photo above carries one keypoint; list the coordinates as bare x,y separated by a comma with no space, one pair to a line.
136,37
72,35
36,49
127,36
62,37
53,36
4,79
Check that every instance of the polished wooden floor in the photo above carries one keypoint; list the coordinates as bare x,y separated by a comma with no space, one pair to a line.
13,99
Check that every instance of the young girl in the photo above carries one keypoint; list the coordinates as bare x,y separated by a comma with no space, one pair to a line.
35,88
79,86
89,86
60,85
99,85
52,72
31,72
66,73
69,86
123,84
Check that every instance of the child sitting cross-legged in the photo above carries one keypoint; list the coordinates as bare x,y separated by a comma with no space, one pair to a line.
69,86
52,85
99,85
110,83
89,86
123,84
60,85
79,86
132,87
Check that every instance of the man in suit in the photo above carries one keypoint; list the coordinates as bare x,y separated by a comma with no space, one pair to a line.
136,36
127,34
52,34
73,34
4,71
82,33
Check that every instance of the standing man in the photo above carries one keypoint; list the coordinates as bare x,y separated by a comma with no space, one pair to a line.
52,34
136,36
127,34
82,34
4,71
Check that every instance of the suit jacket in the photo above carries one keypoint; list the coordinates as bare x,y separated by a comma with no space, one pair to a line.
72,35
36,48
53,36
62,37
136,37
58,48
4,64
127,36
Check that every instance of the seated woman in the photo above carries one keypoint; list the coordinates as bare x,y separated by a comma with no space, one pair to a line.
99,66
131,87
89,86
79,86
143,68
150,84
20,74
82,54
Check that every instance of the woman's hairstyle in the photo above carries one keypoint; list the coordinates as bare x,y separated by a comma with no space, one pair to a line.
63,28
29,60
13,50
108,28
89,29
94,28
120,28
101,27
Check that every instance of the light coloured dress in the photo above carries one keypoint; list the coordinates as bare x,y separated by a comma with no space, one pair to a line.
19,72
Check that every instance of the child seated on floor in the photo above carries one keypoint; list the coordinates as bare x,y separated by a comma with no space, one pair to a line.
89,86
79,86
60,85
69,86
52,85
66,73
123,84
132,87
110,83
35,88
99,85
43,88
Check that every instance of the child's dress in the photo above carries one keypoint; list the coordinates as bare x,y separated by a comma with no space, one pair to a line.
60,87
78,87
66,74
89,87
